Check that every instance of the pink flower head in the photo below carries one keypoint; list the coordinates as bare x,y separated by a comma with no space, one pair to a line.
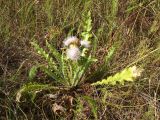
73,53
70,40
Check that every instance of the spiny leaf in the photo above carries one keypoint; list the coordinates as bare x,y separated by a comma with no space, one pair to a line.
92,103
44,54
30,88
52,74
32,72
110,54
102,70
53,51
82,69
127,74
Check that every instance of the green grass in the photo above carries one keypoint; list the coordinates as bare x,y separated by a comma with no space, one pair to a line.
131,28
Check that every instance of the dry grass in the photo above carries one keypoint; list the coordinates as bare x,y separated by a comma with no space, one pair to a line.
136,35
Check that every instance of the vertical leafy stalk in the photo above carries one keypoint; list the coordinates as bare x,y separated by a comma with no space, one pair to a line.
87,27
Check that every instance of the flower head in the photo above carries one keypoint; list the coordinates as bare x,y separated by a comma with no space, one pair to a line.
73,53
85,43
71,40
136,71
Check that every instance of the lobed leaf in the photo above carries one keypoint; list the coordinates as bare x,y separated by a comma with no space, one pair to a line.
128,74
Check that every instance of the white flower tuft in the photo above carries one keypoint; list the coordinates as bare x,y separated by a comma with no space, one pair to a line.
70,40
136,71
85,43
73,53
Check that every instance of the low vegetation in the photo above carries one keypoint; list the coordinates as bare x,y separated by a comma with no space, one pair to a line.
80,60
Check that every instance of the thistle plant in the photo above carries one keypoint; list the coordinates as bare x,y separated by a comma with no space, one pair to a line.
68,68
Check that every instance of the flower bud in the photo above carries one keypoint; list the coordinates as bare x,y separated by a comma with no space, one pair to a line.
85,43
71,40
